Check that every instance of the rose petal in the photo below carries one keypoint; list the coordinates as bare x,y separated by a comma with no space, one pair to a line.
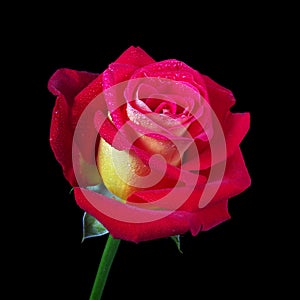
121,142
174,70
190,198
165,224
236,178
85,97
116,73
209,216
61,138
172,198
69,83
154,123
228,184
220,98
114,91
65,84
235,127
135,56
128,61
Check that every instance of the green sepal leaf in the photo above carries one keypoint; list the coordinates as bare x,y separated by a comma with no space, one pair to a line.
176,239
92,227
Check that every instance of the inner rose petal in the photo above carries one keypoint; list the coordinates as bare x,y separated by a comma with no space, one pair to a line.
154,122
166,108
181,96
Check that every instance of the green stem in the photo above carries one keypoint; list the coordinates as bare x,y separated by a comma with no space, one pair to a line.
107,258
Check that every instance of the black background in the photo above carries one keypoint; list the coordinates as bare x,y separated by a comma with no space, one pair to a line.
232,46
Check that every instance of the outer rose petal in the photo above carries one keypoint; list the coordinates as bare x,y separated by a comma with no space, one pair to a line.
135,56
175,223
235,180
209,217
235,126
61,138
84,97
220,98
115,74
69,83
65,84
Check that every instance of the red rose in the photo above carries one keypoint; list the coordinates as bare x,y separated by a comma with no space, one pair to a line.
151,148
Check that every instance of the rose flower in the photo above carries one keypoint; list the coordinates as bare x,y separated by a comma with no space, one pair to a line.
151,148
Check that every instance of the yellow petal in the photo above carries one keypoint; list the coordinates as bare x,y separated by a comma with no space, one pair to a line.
123,172
120,171
165,148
